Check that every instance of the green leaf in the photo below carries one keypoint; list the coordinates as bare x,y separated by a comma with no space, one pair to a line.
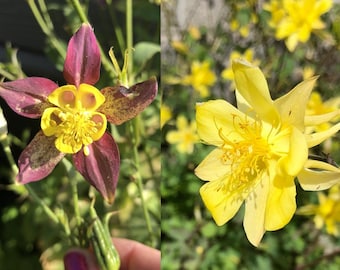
143,52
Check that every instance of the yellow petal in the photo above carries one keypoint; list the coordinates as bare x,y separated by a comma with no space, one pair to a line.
292,105
281,203
252,85
314,120
214,115
49,123
223,206
173,137
64,96
90,97
297,155
318,137
100,123
318,175
212,168
255,210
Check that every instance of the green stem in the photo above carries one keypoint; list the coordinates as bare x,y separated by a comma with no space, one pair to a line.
129,35
48,31
72,176
105,61
75,200
139,180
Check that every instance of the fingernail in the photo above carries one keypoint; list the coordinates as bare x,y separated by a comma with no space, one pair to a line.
75,260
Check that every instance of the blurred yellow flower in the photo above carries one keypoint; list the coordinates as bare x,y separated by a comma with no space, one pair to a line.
294,20
316,106
165,114
243,29
201,78
327,212
185,136
194,32
180,47
260,149
228,73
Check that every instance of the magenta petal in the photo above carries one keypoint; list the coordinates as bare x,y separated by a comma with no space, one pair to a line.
79,259
82,63
28,97
101,167
38,159
122,104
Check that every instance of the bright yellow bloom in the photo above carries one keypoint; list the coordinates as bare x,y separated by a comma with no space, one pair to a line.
165,114
185,136
327,212
248,55
201,77
74,121
294,20
260,149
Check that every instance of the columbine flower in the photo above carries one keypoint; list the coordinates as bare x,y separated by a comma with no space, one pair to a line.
260,149
327,212
185,136
201,78
295,20
74,116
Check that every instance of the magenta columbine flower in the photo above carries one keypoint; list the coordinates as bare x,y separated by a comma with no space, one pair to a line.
74,116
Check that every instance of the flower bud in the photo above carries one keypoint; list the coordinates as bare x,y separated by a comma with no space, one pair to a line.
3,126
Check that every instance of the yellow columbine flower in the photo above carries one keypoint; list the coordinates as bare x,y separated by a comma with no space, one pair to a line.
185,136
327,212
74,121
294,20
201,77
260,149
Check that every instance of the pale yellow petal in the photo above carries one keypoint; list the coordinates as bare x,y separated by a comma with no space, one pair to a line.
252,85
318,137
318,175
314,120
291,42
292,105
297,155
212,168
281,203
216,116
255,207
222,205
173,137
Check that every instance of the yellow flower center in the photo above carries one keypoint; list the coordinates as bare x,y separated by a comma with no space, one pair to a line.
74,122
247,156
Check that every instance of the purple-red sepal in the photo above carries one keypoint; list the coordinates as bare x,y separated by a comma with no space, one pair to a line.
101,167
122,104
28,97
82,63
38,159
